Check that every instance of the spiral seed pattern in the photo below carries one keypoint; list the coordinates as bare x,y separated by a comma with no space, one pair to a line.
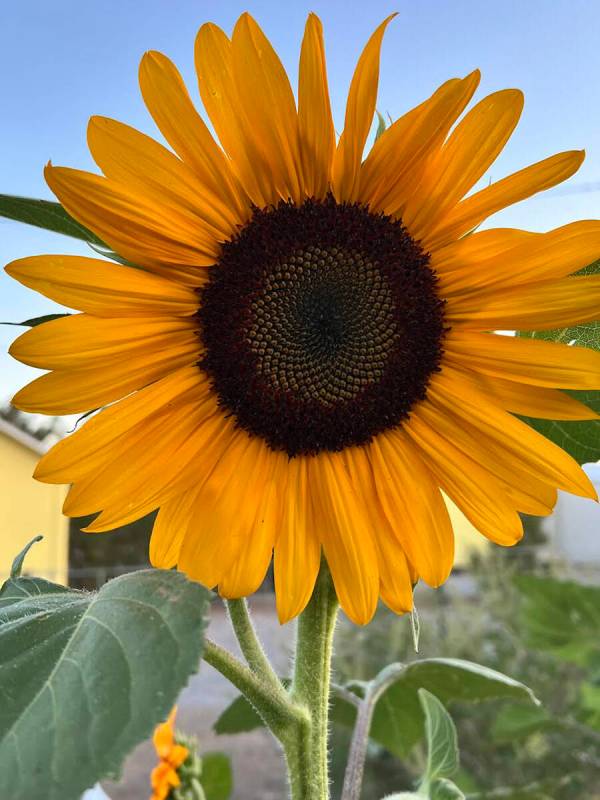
321,325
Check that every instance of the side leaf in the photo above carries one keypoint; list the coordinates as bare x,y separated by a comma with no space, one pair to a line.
217,778
580,439
85,677
45,214
398,721
561,617
440,736
31,323
516,721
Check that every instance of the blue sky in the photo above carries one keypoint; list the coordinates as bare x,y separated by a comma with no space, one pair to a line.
63,61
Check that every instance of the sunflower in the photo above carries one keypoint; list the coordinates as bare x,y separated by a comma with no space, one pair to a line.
303,360
165,776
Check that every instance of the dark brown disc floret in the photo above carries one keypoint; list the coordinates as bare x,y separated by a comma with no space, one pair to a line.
321,325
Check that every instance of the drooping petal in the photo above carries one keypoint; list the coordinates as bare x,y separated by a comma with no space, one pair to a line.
169,529
226,511
315,123
103,289
297,547
360,109
480,498
458,397
347,536
413,506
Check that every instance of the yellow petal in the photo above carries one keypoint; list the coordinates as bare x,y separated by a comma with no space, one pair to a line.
297,548
533,361
210,434
413,506
82,452
169,529
214,65
136,161
81,341
103,289
533,401
468,214
360,109
396,161
520,258
482,247
315,124
470,150
527,491
267,102
225,513
533,307
480,498
169,103
140,231
455,394
149,458
248,571
347,536
77,391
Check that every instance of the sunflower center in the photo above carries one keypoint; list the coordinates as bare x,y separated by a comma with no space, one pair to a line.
321,325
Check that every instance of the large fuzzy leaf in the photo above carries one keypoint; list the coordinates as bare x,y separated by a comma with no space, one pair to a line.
85,677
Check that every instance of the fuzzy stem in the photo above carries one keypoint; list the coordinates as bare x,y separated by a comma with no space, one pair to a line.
249,642
360,738
280,715
311,687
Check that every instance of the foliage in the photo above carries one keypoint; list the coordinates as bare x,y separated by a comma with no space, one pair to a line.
85,677
544,751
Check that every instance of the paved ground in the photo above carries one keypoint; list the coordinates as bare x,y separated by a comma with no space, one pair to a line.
259,772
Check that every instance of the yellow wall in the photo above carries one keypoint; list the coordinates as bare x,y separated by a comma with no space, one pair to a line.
28,508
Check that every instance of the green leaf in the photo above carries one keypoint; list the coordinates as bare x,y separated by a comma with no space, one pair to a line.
440,735
398,721
85,677
216,778
561,617
580,439
31,323
515,722
238,717
444,789
45,214
17,564
381,125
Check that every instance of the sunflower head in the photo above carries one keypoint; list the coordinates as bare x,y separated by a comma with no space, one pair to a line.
303,361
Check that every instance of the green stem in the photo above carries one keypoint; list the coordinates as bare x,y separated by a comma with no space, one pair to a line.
280,715
249,642
360,738
309,779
